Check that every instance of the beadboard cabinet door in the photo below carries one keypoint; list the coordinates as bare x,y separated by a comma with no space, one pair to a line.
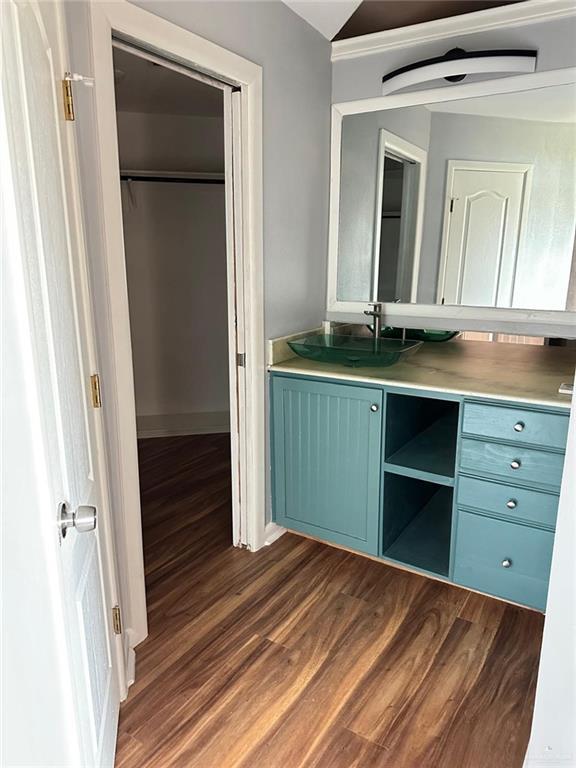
326,458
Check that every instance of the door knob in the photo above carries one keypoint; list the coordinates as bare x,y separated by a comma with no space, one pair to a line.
374,408
506,563
515,464
83,519
511,503
519,426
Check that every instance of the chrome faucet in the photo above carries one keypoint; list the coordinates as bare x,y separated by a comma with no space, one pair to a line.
376,314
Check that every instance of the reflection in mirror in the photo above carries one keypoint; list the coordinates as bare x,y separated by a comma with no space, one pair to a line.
469,202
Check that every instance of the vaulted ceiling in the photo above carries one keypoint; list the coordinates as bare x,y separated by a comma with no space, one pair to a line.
341,19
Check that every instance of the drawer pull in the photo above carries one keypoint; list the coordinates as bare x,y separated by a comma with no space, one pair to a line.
519,426
374,408
511,503
515,464
506,563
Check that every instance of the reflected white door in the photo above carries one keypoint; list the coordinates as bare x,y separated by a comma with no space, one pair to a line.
42,203
483,223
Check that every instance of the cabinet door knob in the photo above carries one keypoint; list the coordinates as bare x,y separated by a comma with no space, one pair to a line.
374,408
519,426
511,503
506,563
515,464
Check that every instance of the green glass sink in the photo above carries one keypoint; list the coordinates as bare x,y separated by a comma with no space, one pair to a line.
418,334
354,351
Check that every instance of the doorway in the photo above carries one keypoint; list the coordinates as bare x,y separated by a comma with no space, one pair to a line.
114,25
182,305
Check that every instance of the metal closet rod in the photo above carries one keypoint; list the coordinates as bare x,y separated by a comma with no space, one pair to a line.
171,179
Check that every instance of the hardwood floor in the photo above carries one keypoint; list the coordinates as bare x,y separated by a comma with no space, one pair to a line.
305,656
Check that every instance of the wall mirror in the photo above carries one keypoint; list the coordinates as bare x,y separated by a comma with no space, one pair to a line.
452,208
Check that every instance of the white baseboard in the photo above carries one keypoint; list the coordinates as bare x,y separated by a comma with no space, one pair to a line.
174,424
273,532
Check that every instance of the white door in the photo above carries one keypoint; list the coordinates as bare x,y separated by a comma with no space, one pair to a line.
48,245
482,229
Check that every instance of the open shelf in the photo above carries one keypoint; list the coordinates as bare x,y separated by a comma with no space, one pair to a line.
421,436
417,523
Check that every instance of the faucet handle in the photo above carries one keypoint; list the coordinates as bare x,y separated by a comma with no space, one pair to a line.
376,308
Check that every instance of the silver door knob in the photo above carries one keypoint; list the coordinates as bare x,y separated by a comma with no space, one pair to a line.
511,503
506,563
83,519
374,408
515,464
519,426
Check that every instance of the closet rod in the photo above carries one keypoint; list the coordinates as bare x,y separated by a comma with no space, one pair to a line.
171,179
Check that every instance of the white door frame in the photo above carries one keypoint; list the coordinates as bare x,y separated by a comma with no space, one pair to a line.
480,165
131,24
407,151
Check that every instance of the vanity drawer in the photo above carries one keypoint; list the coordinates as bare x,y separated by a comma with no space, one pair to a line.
518,425
519,503
514,463
503,559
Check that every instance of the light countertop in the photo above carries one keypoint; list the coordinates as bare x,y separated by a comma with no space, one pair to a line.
517,372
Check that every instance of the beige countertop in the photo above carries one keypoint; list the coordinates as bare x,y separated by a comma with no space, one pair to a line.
521,372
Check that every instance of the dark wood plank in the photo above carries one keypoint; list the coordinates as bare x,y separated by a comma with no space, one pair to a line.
307,656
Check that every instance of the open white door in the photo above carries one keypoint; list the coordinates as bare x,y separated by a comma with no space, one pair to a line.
44,247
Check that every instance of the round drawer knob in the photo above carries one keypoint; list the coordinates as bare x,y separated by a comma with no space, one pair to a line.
511,503
515,464
374,408
519,426
506,563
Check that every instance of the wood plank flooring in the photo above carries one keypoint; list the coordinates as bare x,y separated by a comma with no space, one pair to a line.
306,656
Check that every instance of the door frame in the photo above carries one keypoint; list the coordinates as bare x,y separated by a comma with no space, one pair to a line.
415,154
134,25
481,165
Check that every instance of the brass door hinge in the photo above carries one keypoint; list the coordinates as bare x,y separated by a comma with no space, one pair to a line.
241,359
95,390
117,620
68,98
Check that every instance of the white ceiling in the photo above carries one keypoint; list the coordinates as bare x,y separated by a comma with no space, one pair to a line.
142,86
327,16
556,104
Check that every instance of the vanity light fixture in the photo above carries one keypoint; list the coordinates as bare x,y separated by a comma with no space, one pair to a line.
456,64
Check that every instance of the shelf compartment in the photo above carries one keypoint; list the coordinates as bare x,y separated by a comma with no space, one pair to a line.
417,523
421,437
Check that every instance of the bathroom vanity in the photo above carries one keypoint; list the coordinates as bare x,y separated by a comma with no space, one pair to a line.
449,463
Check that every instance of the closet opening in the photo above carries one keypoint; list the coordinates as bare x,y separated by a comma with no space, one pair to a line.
174,167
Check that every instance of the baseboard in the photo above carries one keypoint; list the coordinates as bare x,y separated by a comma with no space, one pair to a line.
273,532
174,424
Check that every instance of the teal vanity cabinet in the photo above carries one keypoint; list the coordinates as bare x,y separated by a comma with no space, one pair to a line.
510,469
326,448
457,487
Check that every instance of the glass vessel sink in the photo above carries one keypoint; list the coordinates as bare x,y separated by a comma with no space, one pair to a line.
419,334
354,351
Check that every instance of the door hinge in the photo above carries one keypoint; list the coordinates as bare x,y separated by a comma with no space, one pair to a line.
95,390
451,205
69,78
68,98
117,620
241,359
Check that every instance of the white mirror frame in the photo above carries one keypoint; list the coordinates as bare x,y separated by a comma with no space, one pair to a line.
521,321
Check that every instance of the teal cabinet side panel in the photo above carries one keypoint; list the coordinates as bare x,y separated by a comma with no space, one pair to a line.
327,444
503,559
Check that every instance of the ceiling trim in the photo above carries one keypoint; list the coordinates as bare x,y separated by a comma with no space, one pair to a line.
527,12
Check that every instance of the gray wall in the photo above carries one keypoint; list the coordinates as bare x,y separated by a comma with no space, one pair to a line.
296,87
359,160
544,261
361,78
